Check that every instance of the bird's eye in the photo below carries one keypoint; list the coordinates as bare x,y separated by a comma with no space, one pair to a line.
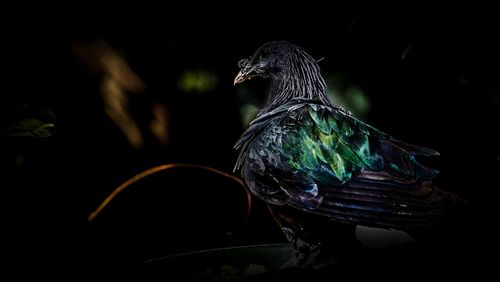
242,63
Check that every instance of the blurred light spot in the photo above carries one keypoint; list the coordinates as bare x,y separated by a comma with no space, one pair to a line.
406,51
160,123
103,58
116,107
118,81
349,96
358,100
248,112
199,81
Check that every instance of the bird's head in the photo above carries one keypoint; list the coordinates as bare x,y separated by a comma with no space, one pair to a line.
269,60
294,73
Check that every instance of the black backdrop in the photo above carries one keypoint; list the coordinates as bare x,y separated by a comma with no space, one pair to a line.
443,94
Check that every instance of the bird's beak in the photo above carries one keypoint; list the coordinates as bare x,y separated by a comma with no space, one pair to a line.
247,73
242,76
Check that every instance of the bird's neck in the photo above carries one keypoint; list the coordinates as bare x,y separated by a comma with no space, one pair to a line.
296,84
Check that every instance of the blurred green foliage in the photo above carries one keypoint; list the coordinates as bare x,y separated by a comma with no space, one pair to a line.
248,111
198,81
29,127
348,95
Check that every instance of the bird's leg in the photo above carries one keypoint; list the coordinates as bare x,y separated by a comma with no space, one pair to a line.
305,251
317,243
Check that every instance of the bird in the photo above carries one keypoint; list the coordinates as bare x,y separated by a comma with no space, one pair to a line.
322,171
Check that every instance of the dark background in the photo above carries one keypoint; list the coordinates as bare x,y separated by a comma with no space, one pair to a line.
431,81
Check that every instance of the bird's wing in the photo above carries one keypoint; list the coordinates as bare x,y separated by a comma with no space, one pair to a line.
329,163
333,146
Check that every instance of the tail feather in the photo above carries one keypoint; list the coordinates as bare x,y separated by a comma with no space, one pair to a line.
400,156
415,149
377,205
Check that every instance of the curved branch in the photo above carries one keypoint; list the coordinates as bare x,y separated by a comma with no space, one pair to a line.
159,168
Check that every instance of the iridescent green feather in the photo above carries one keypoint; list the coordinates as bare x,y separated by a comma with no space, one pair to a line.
324,146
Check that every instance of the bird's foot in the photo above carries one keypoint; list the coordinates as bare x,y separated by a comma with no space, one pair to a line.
305,253
310,256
